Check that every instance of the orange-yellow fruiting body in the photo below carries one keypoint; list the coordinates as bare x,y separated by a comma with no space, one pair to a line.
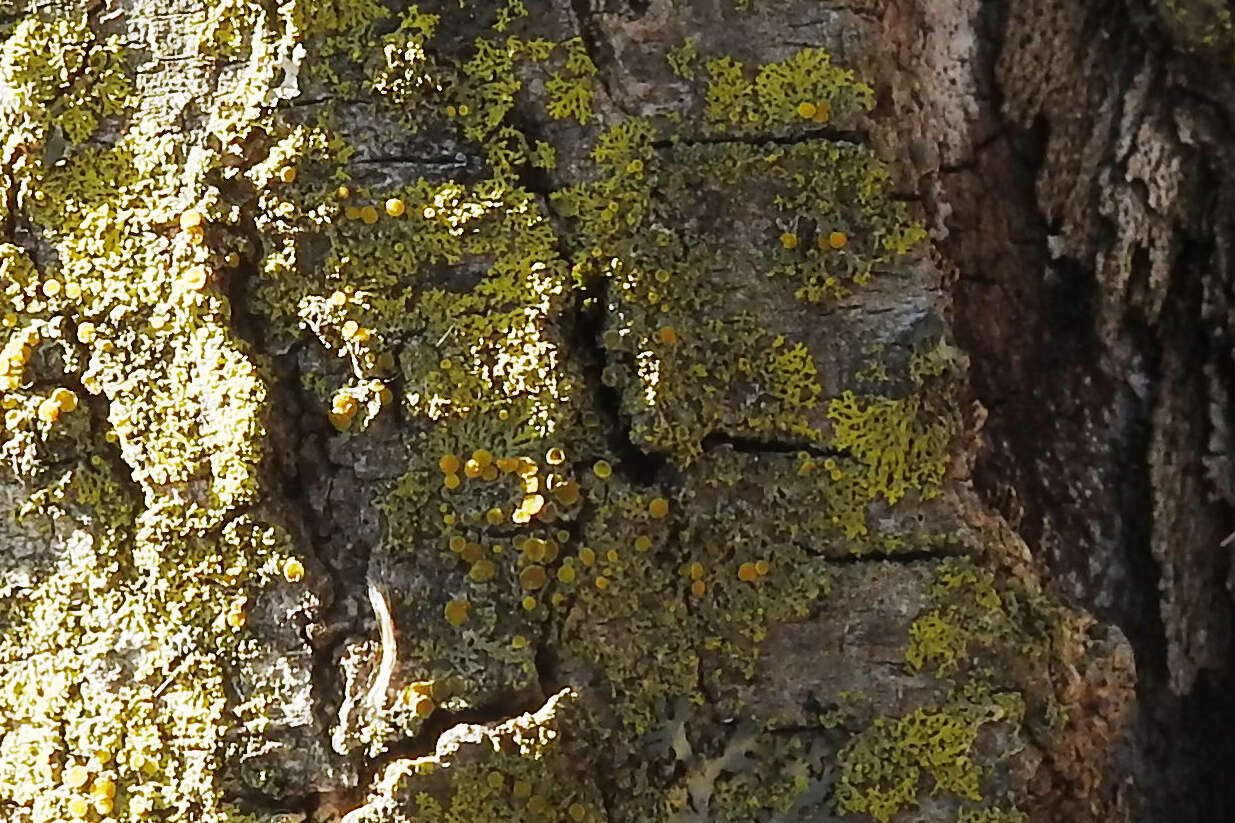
457,612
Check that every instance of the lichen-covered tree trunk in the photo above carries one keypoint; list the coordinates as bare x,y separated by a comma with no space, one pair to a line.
666,411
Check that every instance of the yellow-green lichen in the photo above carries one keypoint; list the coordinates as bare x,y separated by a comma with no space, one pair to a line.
994,814
1202,26
681,358
884,768
405,77
971,619
901,448
445,312
128,706
522,769
768,98
570,90
683,57
59,74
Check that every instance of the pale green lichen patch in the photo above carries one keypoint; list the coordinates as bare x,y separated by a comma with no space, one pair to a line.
454,288
979,638
683,58
755,777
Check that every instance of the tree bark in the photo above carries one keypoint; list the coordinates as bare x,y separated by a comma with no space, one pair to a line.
665,410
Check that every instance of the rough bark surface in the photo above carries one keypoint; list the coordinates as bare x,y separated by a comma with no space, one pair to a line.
1092,241
664,410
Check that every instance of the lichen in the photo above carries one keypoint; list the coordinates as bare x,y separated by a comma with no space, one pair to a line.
518,770
1200,26
770,100
883,768
146,446
972,622
680,355
994,814
564,370
570,90
60,75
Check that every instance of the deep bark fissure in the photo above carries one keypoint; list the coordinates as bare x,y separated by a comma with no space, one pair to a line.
424,743
598,49
907,558
754,445
334,626
591,307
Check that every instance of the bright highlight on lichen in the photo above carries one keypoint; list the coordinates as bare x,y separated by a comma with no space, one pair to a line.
293,570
